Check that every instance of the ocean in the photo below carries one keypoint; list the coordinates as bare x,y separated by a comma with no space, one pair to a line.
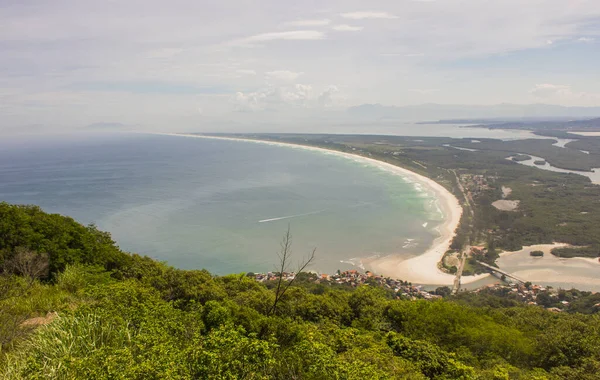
220,205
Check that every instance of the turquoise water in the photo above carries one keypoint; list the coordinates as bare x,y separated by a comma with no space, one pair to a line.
220,205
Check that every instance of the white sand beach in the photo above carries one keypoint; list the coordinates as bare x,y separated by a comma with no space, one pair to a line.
422,269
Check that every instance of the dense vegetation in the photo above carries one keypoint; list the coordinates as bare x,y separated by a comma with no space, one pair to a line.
521,157
126,316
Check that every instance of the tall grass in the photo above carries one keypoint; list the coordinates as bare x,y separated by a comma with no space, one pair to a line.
53,351
75,278
28,301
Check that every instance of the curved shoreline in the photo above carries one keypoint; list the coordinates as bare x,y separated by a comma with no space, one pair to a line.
422,269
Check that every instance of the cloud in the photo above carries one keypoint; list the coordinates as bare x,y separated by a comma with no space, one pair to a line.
149,87
280,98
564,94
297,95
113,64
547,90
322,22
409,55
164,53
248,102
272,98
346,28
424,91
325,99
105,125
283,75
368,15
294,35
246,72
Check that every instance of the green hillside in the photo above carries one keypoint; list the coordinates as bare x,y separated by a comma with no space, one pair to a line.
74,306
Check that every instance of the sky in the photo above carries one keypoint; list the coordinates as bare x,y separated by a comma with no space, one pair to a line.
175,65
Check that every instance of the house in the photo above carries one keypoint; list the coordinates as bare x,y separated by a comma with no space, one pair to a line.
478,250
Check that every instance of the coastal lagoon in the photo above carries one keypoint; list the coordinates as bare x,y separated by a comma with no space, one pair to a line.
221,205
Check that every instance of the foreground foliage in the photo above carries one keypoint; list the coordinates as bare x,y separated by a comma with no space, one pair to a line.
131,317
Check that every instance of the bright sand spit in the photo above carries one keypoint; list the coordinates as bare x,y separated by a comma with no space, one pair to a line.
422,269
575,271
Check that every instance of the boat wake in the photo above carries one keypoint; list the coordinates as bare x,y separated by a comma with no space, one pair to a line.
291,216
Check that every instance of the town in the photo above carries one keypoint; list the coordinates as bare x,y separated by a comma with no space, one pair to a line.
554,300
353,278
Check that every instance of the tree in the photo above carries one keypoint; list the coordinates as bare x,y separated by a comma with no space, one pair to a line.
29,264
285,257
443,291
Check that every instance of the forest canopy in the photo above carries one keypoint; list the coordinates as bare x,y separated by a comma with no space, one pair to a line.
96,312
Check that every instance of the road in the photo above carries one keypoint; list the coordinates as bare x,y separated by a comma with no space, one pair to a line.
459,270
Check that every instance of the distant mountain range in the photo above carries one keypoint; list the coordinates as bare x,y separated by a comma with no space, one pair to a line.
469,114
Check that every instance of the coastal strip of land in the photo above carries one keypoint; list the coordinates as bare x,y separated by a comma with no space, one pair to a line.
421,269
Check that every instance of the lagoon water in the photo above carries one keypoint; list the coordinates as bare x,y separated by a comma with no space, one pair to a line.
220,205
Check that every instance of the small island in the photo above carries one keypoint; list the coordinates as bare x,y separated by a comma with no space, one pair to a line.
539,162
536,253
521,157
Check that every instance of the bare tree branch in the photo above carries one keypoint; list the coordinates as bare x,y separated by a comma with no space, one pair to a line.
284,259
29,264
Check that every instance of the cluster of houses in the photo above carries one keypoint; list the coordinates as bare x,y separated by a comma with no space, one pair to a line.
529,294
526,293
354,278
475,184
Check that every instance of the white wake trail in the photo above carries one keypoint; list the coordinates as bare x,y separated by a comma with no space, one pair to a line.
291,216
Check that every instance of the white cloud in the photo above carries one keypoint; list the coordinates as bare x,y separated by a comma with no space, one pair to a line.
549,42
283,75
246,72
409,55
297,95
248,102
424,91
346,28
564,94
322,22
164,53
294,35
478,52
325,99
285,97
368,15
546,90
